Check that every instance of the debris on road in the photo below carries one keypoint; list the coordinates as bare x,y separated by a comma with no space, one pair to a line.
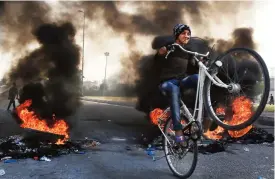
10,161
44,158
151,151
2,172
5,158
79,152
246,149
211,146
90,144
261,177
128,148
18,147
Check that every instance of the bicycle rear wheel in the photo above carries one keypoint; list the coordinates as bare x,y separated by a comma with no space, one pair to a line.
174,153
238,107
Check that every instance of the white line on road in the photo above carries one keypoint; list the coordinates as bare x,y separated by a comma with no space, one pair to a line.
103,103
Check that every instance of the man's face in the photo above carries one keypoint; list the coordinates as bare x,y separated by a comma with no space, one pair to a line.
184,37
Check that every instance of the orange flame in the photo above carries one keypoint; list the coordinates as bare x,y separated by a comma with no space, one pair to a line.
242,109
220,111
158,114
31,121
216,134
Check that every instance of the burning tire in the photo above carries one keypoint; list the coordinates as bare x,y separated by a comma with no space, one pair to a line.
247,72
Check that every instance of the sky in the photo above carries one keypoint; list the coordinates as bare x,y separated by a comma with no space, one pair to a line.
105,39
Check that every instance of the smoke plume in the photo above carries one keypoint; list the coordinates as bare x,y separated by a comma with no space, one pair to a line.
154,19
50,74
150,19
17,21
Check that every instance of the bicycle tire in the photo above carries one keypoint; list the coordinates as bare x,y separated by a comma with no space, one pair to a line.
207,86
166,151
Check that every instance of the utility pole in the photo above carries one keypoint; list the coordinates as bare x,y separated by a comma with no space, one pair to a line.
82,73
104,82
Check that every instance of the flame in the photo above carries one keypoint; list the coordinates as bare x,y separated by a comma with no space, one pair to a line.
216,134
220,111
158,114
31,121
242,111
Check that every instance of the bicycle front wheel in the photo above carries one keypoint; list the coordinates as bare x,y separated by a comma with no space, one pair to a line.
243,102
181,160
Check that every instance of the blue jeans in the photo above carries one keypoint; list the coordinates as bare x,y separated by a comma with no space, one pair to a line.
172,88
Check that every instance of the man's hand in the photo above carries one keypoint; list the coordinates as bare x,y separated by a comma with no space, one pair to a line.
162,51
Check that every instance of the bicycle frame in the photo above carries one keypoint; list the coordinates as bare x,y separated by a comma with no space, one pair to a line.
203,73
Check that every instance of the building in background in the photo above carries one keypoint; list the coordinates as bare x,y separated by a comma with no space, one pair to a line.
91,85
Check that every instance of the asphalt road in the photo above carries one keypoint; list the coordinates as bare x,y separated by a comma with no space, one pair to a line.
117,127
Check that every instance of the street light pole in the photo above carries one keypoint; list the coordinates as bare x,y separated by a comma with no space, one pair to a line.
104,82
82,73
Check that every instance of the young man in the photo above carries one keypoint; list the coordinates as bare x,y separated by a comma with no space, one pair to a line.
13,93
173,75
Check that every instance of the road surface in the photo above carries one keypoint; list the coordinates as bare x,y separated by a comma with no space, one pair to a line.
119,127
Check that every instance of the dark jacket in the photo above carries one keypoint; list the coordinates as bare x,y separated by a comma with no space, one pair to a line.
13,93
174,67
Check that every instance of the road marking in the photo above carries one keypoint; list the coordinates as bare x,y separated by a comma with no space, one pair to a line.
104,103
118,139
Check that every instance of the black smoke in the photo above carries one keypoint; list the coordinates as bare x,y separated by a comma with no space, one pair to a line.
50,74
153,18
147,86
18,19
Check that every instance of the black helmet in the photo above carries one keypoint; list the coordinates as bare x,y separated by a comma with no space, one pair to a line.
179,28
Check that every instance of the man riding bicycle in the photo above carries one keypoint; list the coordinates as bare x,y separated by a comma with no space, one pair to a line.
173,75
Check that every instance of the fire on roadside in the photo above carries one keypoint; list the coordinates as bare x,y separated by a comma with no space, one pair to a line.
32,121
242,111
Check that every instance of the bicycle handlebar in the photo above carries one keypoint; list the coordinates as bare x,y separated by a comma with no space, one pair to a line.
190,52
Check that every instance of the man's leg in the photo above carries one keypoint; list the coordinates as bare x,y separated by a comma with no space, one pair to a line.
174,92
9,105
13,103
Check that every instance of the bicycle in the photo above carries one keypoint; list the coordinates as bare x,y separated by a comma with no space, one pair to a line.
192,124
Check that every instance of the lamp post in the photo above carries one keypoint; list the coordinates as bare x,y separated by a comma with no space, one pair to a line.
82,73
104,82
